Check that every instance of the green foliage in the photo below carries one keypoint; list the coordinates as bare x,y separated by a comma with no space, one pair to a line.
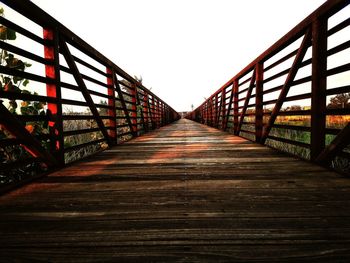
7,33
11,83
15,84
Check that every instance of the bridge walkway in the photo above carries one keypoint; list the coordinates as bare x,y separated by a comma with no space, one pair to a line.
183,193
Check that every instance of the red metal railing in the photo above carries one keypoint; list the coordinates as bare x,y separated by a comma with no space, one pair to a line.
106,105
283,98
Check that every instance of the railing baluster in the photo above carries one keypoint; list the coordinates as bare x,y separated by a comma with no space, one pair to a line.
158,113
223,108
145,109
111,103
259,101
235,106
54,90
139,108
133,111
319,85
154,114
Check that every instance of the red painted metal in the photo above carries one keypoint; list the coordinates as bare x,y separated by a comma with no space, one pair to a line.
259,101
111,103
31,144
79,57
313,31
287,84
154,113
319,87
133,112
145,109
158,114
235,107
51,90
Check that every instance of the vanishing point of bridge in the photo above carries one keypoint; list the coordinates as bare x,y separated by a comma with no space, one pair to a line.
121,178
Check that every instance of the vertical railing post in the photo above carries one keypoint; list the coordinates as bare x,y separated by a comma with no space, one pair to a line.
166,116
158,114
133,111
145,109
153,110
208,112
202,113
111,103
51,52
216,111
223,109
212,111
163,119
318,86
235,106
259,113
163,114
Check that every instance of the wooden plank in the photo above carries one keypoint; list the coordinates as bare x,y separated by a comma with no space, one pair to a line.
186,192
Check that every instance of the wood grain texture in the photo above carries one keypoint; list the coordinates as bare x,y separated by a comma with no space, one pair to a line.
183,193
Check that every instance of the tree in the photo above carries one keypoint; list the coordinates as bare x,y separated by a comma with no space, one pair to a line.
293,108
341,100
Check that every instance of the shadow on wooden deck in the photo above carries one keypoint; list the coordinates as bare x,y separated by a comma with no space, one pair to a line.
184,193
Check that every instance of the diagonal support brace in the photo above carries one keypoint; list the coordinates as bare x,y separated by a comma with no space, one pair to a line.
79,79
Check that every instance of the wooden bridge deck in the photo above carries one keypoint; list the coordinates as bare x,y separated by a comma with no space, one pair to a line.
184,193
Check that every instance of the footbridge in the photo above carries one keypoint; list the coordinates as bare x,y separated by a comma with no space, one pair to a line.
97,168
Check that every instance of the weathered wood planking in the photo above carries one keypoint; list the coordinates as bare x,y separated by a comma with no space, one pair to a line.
184,193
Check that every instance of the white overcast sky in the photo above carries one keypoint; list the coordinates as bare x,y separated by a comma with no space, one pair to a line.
183,49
